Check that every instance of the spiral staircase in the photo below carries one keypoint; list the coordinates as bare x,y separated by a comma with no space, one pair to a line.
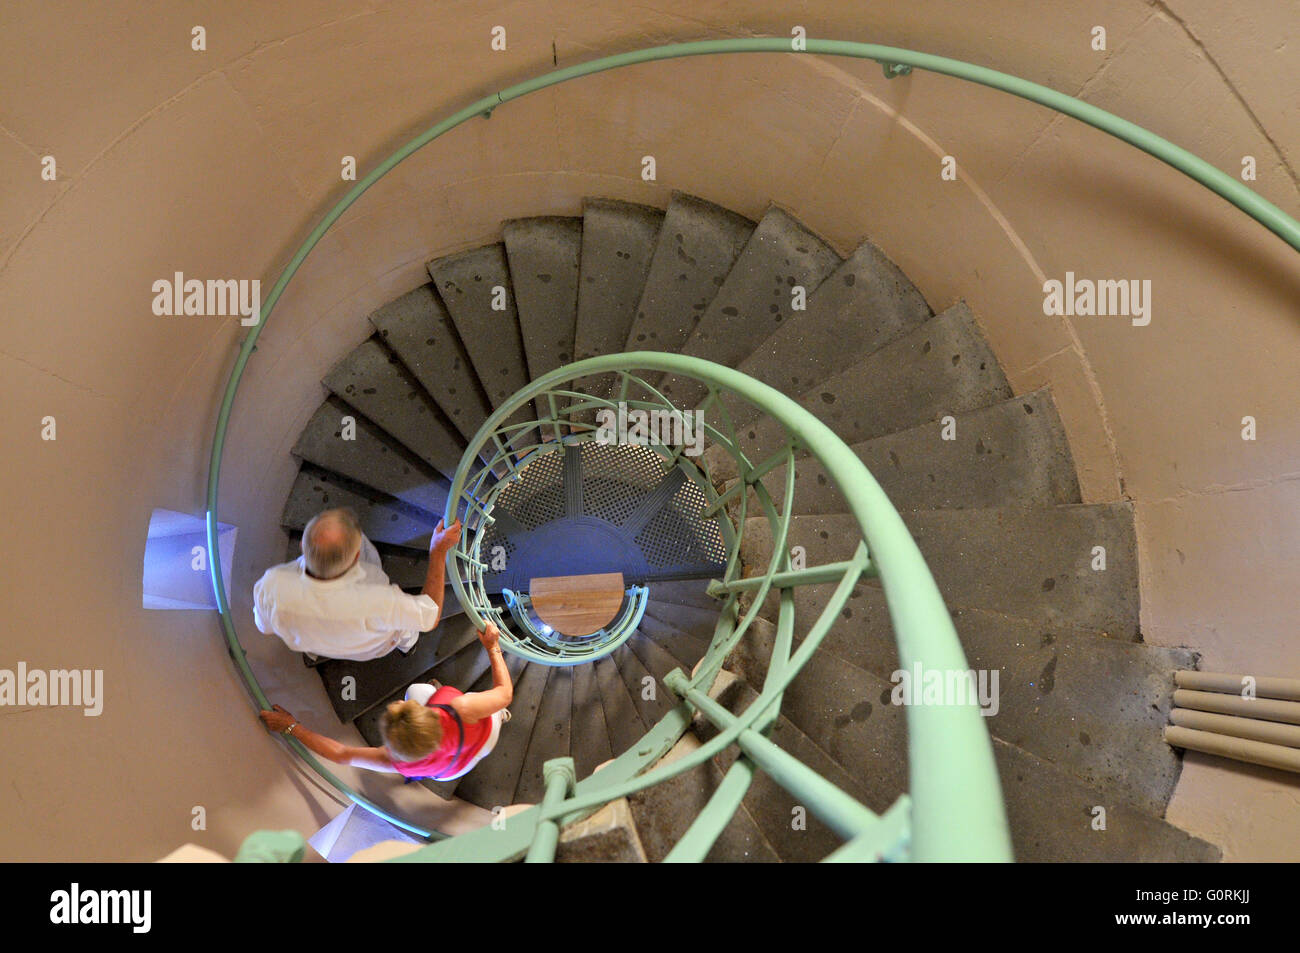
426,413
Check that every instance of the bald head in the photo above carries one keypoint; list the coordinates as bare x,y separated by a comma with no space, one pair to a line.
331,543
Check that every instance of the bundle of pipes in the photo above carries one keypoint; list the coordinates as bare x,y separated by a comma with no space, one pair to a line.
1237,716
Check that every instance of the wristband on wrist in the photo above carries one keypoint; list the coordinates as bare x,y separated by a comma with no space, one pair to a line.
289,730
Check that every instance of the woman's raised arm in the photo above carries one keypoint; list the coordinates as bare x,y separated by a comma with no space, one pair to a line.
476,706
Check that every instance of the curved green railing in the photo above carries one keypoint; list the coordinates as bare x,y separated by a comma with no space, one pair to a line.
894,59
955,802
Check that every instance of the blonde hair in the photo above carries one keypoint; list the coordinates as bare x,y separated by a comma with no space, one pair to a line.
410,731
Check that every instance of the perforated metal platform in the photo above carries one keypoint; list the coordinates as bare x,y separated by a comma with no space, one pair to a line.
606,508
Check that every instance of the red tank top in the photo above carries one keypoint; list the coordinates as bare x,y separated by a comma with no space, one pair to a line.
443,762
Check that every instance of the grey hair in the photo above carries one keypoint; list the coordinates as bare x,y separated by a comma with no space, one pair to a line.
335,556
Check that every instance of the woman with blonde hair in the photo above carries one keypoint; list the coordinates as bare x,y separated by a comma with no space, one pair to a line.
436,732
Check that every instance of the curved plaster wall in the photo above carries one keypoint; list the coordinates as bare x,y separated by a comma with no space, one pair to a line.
217,163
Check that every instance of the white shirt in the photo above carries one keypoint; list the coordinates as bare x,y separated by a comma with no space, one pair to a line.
359,615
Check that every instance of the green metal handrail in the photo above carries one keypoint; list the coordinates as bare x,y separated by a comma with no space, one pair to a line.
1184,161
955,793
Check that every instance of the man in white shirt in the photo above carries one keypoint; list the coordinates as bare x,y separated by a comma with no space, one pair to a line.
335,599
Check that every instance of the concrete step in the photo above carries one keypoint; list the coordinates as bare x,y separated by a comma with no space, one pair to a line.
371,457
664,812
1052,814
756,297
382,519
607,837
649,697
588,735
686,592
1093,706
618,243
374,381
699,244
492,784
658,661
1012,453
622,723
419,330
686,648
468,284
543,255
1046,577
697,621
549,737
942,367
867,303
848,713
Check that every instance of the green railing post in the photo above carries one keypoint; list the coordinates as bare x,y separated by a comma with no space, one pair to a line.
842,813
560,777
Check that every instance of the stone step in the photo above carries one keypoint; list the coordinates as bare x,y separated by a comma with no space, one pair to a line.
622,723
607,837
589,742
756,296
382,519
686,592
657,660
618,243
370,457
1012,453
492,784
942,367
1046,577
418,329
699,244
374,381
696,621
470,283
1093,706
664,812
549,737
1052,814
686,648
848,713
543,255
864,305
649,697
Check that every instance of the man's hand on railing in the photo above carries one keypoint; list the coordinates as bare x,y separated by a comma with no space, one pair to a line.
444,538
489,636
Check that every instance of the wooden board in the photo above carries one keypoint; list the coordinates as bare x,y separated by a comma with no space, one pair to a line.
577,605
